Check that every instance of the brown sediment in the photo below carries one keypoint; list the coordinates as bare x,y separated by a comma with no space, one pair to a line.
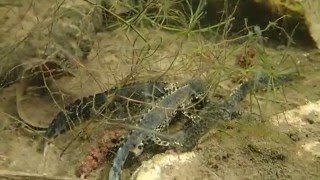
100,152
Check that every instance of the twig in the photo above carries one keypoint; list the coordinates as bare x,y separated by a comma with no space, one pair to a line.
10,175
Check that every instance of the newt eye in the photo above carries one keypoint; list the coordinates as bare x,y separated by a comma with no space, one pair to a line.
140,146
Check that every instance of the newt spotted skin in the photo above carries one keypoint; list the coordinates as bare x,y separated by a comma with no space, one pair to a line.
156,120
227,109
106,148
170,99
114,100
83,109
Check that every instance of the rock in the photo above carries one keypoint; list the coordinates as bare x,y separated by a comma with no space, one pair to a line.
312,17
172,166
